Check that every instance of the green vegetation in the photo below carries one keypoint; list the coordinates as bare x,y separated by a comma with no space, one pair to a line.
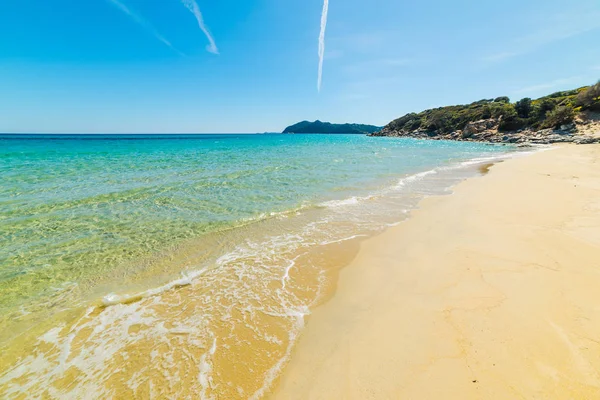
551,111
589,99
326,127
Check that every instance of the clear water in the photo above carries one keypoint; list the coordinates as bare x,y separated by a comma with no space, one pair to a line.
112,223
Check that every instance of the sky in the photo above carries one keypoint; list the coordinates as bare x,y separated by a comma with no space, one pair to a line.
233,66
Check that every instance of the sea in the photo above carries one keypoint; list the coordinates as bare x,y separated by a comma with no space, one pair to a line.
186,266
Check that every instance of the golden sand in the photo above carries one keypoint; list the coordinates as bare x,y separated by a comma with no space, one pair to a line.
491,293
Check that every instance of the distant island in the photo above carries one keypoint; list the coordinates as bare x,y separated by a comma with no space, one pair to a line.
327,127
567,116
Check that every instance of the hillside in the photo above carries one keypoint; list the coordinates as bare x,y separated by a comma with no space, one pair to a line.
326,127
553,118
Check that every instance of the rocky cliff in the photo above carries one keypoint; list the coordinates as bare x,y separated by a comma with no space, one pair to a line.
568,116
582,131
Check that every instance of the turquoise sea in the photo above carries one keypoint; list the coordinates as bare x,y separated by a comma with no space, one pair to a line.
168,265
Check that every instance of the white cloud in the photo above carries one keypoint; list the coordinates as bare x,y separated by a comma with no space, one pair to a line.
192,6
137,18
322,42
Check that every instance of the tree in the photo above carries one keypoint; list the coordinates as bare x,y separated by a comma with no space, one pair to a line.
524,107
509,119
543,107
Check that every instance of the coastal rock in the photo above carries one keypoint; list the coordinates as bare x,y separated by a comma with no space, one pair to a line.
568,128
586,139
481,126
487,131
466,134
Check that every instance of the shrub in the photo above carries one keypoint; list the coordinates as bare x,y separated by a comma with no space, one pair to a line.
413,124
408,123
524,107
566,93
438,121
561,115
589,99
503,110
482,101
512,124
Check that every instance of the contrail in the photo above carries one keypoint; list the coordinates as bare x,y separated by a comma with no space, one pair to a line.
143,23
194,9
322,42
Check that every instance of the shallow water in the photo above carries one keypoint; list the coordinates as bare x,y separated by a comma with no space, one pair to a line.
172,266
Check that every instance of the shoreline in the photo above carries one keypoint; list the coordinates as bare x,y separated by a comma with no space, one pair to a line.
228,332
497,302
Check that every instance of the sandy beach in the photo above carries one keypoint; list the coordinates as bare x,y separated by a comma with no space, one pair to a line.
489,293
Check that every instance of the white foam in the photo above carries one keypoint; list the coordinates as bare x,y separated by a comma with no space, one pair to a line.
415,177
52,335
344,202
112,299
274,371
342,240
286,274
403,182
392,224
205,368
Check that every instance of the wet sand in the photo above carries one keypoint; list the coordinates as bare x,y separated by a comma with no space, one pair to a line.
491,293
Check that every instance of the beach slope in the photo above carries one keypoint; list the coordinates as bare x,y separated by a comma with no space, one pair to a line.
490,293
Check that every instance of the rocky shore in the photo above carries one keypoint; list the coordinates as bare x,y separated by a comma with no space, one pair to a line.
582,131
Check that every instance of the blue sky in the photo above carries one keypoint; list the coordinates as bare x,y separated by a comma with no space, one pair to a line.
144,65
